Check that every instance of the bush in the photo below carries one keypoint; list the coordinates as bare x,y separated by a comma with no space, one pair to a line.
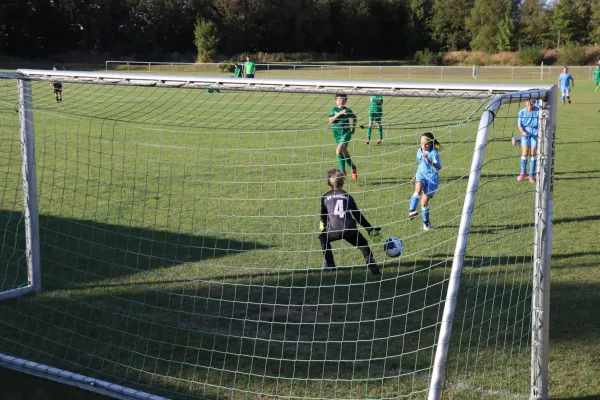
206,39
427,57
227,66
530,55
571,54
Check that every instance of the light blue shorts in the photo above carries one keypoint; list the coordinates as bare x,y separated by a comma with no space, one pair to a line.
429,186
529,141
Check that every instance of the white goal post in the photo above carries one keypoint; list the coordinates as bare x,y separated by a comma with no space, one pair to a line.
175,220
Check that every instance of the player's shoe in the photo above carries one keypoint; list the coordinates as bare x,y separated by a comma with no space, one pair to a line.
569,100
521,176
328,267
427,226
412,214
378,141
372,265
354,174
367,141
531,178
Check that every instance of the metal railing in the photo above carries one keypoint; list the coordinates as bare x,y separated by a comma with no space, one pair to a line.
334,71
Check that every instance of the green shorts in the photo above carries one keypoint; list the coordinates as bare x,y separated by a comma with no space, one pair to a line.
375,116
596,82
342,137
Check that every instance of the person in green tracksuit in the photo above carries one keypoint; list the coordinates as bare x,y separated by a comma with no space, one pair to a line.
249,68
597,77
238,71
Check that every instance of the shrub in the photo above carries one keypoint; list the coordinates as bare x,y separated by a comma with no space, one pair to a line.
226,66
206,39
571,54
427,57
530,55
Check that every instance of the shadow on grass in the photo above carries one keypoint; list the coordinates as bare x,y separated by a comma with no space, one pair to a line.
286,333
78,251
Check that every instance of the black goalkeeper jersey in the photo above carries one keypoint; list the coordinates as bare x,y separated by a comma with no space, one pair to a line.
340,212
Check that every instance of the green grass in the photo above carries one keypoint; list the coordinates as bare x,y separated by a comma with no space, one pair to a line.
17,386
180,254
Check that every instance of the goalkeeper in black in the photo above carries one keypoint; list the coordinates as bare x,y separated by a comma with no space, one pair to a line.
339,218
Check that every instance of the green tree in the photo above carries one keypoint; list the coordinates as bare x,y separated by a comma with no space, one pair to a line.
484,23
594,25
570,21
448,23
506,29
534,24
206,39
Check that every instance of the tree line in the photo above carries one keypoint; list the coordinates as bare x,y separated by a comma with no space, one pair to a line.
149,29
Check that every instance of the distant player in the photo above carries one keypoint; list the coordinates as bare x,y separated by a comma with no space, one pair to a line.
57,88
249,68
564,84
474,71
375,115
426,179
597,77
528,124
339,218
339,119
238,71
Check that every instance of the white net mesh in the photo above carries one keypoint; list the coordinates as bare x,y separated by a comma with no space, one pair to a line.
180,253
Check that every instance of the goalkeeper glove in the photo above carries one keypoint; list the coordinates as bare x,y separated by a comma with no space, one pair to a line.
373,231
322,226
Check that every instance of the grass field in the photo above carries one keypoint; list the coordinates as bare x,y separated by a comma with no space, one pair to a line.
180,254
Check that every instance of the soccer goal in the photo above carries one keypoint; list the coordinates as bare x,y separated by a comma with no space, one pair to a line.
161,239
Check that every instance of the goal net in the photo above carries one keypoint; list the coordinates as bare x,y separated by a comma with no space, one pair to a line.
170,233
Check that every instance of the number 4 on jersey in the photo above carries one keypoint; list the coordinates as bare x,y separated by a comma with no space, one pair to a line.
339,209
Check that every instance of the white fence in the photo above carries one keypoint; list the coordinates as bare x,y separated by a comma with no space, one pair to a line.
333,71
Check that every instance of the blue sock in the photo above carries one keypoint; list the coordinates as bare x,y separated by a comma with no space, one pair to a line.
523,164
414,200
563,98
532,166
425,213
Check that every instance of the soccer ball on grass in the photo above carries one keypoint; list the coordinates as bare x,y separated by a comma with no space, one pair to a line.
393,246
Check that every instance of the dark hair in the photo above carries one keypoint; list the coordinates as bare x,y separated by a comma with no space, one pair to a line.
429,135
342,95
335,178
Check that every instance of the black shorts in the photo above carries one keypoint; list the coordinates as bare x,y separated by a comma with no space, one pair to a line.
57,87
249,75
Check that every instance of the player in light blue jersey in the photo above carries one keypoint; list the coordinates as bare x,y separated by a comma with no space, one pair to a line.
528,125
564,84
426,179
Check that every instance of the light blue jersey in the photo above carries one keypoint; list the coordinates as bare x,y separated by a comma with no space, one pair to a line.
529,122
565,80
428,174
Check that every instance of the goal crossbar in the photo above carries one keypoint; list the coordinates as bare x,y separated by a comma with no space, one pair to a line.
394,89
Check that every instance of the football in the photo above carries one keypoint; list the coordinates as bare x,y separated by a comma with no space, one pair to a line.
393,246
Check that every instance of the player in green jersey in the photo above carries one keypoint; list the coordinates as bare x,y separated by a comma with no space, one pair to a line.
339,119
249,68
375,114
597,77
237,71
